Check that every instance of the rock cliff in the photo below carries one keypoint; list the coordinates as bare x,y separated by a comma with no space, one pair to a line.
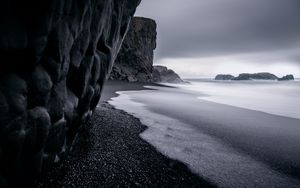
165,75
135,60
55,56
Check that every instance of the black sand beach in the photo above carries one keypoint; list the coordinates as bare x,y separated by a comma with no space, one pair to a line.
110,153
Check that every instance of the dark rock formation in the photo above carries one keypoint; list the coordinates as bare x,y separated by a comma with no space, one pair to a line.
165,75
224,77
256,76
135,60
287,77
55,56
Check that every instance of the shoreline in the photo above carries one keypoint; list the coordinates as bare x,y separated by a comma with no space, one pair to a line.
110,153
246,136
112,86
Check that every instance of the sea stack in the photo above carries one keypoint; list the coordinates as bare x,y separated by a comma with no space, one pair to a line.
135,60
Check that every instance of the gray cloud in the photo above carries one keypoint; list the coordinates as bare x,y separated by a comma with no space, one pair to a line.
201,28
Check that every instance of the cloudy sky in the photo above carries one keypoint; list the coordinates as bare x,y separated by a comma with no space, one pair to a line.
201,38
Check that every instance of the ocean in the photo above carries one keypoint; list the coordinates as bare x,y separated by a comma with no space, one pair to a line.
274,97
232,133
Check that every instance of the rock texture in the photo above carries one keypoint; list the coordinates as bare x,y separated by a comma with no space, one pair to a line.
224,77
287,77
165,75
135,60
55,56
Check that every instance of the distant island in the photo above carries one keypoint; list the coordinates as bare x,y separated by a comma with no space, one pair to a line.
254,76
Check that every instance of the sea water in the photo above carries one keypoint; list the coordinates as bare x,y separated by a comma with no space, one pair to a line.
206,154
275,97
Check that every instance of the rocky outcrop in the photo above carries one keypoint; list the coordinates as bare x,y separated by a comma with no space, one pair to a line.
287,77
135,60
224,77
165,75
256,76
55,56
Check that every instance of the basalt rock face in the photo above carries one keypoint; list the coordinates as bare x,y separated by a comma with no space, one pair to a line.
54,57
165,75
135,60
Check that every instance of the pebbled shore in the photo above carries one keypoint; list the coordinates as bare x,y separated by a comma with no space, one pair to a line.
110,153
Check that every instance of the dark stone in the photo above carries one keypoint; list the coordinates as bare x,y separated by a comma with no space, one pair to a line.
82,77
71,105
11,160
37,128
4,111
224,77
36,134
57,100
287,77
79,47
135,60
163,74
55,56
56,137
14,89
40,86
84,103
48,160
3,183
97,95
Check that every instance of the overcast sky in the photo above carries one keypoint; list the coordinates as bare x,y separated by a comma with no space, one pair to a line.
201,38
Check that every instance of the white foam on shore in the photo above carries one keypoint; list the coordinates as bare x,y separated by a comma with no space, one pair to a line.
205,155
